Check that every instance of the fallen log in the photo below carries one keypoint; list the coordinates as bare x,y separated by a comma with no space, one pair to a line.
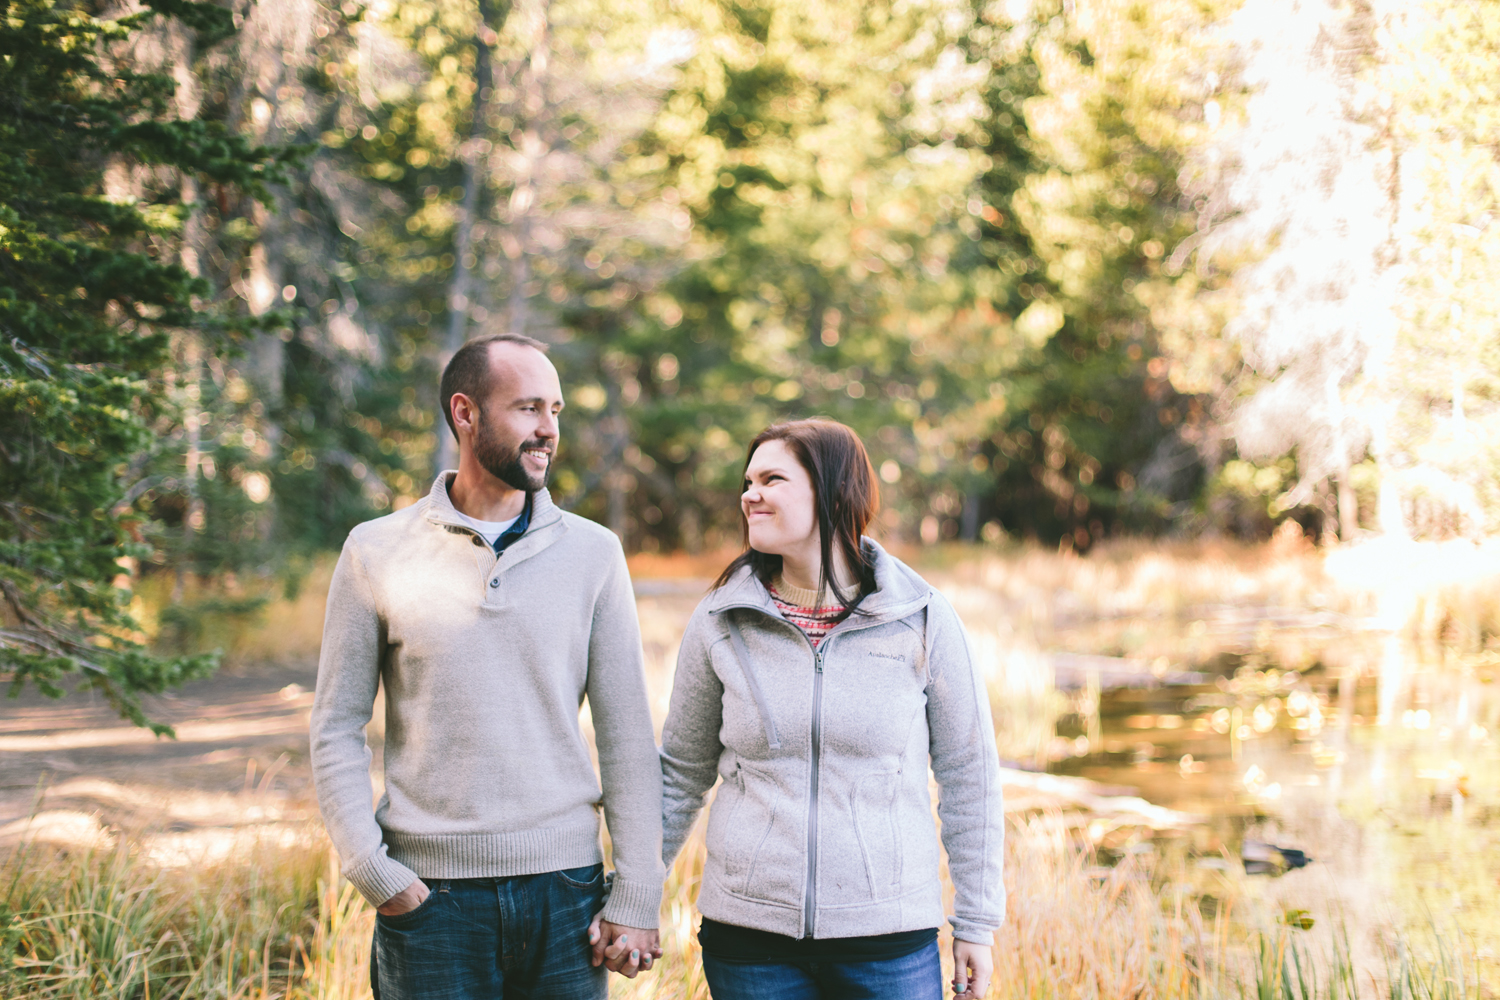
1032,791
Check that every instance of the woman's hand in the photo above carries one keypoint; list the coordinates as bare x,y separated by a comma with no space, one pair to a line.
972,967
626,950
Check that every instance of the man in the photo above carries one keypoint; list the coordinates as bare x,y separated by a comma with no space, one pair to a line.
488,614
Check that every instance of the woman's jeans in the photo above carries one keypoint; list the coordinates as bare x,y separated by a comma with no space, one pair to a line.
493,939
918,976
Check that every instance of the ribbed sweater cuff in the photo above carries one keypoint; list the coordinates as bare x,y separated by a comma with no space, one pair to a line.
497,855
634,904
379,878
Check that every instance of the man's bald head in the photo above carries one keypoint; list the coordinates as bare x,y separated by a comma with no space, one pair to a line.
471,370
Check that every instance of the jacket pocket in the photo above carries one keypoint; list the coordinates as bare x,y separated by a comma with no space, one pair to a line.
744,834
751,853
873,807
724,815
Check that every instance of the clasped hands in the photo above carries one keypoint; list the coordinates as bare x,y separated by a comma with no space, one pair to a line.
626,950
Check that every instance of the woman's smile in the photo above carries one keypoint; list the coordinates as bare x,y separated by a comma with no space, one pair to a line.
780,514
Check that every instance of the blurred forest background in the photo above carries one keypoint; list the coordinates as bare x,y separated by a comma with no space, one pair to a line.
1074,271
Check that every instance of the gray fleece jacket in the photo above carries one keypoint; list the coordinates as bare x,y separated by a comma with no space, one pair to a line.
822,826
486,661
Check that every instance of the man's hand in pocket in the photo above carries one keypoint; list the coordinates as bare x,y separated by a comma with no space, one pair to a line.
406,900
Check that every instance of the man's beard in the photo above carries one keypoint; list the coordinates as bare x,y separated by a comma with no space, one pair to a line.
505,464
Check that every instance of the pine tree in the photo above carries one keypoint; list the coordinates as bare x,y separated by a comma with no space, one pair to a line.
92,289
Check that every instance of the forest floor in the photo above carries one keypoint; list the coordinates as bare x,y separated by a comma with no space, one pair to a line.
72,771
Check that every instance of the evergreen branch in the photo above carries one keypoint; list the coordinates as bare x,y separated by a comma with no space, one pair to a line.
17,605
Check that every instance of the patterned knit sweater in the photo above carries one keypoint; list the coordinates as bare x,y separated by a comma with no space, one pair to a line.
801,609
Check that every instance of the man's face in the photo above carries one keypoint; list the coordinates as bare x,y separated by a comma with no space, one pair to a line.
516,433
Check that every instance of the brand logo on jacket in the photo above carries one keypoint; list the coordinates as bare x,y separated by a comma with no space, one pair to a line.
888,656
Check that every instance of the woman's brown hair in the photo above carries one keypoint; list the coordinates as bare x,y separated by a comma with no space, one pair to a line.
846,499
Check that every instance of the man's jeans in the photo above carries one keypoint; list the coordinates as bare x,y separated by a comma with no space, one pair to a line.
918,976
493,939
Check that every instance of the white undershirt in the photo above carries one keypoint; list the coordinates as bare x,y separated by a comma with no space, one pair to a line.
488,530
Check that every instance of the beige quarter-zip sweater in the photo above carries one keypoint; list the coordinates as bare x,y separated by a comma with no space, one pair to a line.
486,661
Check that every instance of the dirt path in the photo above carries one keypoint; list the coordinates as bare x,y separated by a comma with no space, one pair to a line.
72,771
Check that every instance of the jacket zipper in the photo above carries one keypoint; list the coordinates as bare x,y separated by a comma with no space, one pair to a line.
810,894
810,890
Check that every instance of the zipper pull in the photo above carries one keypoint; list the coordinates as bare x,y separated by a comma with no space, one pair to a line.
818,662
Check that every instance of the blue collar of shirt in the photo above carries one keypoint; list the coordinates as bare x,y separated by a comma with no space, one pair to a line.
516,530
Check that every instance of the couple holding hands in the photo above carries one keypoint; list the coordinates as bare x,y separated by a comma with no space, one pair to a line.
816,684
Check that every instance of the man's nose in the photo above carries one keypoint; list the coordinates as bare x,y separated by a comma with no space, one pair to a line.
547,428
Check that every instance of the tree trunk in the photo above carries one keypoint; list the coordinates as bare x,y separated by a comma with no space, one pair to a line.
1460,423
1388,503
969,520
189,99
689,524
192,419
616,476
267,351
519,308
463,236
273,52
529,150
1348,506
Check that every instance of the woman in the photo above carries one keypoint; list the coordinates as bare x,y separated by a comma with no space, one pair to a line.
818,680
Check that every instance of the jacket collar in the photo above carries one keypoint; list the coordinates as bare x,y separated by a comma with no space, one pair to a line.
546,519
899,591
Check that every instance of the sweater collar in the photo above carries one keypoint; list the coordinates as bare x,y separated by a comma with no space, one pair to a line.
440,509
899,590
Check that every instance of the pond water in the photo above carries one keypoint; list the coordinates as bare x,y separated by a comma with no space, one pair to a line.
1379,760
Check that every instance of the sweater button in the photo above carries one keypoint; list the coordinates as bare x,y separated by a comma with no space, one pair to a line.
495,582
477,539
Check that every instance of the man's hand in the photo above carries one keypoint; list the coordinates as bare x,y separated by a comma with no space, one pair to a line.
406,900
626,950
972,966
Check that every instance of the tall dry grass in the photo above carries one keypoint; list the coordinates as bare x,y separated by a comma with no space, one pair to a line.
84,924
1101,933
281,925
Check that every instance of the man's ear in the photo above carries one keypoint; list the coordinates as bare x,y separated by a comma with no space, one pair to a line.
465,413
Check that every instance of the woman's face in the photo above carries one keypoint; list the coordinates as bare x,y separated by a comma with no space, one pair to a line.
778,502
